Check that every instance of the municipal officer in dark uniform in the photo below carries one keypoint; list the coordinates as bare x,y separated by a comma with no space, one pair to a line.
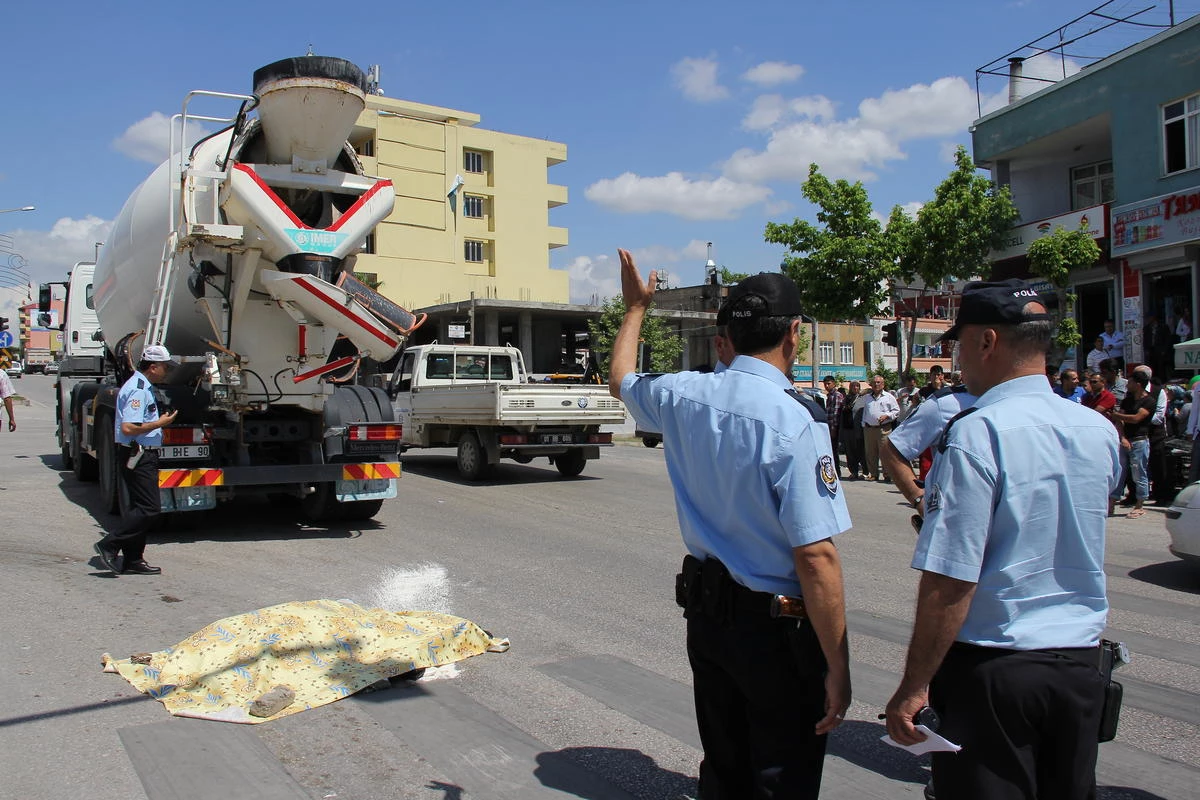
1011,604
139,437
758,500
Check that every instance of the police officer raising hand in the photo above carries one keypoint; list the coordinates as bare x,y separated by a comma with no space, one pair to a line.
759,503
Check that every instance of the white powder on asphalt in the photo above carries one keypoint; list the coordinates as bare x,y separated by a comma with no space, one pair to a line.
421,588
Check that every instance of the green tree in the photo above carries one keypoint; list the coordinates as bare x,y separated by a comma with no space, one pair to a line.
665,346
842,263
728,276
952,234
1053,257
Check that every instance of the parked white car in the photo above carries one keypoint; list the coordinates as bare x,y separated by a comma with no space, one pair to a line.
1183,524
16,369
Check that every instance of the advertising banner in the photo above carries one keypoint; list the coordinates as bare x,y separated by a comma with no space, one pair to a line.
1158,222
1018,239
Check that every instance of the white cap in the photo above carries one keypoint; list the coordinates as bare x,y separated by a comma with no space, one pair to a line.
156,352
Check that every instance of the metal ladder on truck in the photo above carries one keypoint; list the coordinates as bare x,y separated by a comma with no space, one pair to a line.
187,184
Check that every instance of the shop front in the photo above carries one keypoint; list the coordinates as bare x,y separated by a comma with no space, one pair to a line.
1158,241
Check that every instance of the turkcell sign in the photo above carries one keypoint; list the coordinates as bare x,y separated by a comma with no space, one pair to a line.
320,242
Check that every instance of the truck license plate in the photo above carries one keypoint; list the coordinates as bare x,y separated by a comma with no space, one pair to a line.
185,451
558,438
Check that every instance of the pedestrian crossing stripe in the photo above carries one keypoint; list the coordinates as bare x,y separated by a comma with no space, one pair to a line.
180,478
368,472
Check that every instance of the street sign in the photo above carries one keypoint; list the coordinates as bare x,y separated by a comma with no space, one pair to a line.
6,339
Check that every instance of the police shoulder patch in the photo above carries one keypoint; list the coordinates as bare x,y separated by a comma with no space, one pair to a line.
135,403
827,473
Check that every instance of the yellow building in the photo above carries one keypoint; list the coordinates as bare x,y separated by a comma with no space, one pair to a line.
489,236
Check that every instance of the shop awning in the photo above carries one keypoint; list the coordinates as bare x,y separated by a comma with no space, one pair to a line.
1187,355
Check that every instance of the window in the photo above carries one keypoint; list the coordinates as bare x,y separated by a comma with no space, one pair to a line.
472,161
826,352
404,378
473,206
89,297
473,250
847,352
1091,185
1181,134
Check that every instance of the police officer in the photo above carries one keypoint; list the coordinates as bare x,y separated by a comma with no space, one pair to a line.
1011,604
139,436
758,501
919,432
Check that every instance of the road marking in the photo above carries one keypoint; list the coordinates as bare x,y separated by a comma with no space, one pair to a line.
206,761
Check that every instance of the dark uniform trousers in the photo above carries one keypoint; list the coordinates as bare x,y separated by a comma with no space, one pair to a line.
144,506
759,686
1028,723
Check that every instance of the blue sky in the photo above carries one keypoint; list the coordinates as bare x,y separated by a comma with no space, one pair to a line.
685,122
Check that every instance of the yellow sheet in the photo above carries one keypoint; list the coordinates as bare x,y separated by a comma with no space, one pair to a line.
323,650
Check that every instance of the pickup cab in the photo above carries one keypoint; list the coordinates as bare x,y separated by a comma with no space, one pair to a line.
479,400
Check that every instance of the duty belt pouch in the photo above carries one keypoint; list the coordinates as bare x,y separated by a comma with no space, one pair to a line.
135,455
687,584
1110,712
716,591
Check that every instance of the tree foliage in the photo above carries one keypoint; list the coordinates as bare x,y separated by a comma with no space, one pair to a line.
665,346
728,276
1053,257
842,263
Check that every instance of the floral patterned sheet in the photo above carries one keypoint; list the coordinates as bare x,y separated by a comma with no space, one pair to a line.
323,650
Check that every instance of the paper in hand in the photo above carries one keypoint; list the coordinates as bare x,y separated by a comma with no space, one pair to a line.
932,744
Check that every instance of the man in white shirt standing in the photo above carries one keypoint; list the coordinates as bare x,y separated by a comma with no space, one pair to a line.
1114,343
879,417
6,395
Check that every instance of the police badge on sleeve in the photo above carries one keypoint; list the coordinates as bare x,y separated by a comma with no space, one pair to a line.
827,472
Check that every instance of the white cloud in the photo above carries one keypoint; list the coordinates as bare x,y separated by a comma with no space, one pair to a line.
941,108
148,139
675,194
841,149
695,250
594,279
773,73
770,110
49,255
697,79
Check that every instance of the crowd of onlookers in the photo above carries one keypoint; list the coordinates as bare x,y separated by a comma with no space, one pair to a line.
1145,411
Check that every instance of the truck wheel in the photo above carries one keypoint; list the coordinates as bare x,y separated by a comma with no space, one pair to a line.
321,505
82,463
650,441
67,461
570,463
360,509
472,459
106,456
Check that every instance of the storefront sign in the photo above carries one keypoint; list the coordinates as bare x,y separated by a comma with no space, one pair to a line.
1018,239
1158,222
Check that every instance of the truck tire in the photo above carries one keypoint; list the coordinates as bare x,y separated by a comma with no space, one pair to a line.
68,463
106,457
360,510
321,505
83,464
472,458
570,463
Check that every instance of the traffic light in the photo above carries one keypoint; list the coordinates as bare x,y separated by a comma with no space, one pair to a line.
891,334
3,323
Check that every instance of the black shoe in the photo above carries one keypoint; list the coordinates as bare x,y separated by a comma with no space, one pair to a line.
108,558
140,567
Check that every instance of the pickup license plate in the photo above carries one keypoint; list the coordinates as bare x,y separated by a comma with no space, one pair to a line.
185,451
558,438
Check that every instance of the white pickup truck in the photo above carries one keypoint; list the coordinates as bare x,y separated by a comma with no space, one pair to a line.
479,399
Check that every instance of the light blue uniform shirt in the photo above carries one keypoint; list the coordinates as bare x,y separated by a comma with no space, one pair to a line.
1017,504
752,470
923,428
136,403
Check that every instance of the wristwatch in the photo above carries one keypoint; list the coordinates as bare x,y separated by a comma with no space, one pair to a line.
917,503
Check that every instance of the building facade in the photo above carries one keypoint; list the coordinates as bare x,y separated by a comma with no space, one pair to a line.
1115,150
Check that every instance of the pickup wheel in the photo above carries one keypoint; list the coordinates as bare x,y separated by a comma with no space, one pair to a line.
472,458
570,463
650,441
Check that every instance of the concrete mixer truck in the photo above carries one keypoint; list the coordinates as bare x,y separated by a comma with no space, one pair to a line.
237,253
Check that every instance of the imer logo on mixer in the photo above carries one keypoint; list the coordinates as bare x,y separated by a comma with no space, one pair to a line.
315,241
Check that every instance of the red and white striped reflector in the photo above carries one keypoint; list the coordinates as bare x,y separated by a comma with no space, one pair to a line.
599,438
513,438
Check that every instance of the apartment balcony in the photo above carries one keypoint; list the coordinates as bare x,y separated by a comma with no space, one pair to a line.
557,237
557,195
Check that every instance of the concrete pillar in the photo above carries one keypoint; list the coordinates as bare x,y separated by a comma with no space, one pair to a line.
525,337
491,327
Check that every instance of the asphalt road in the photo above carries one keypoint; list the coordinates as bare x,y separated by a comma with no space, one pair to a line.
592,701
